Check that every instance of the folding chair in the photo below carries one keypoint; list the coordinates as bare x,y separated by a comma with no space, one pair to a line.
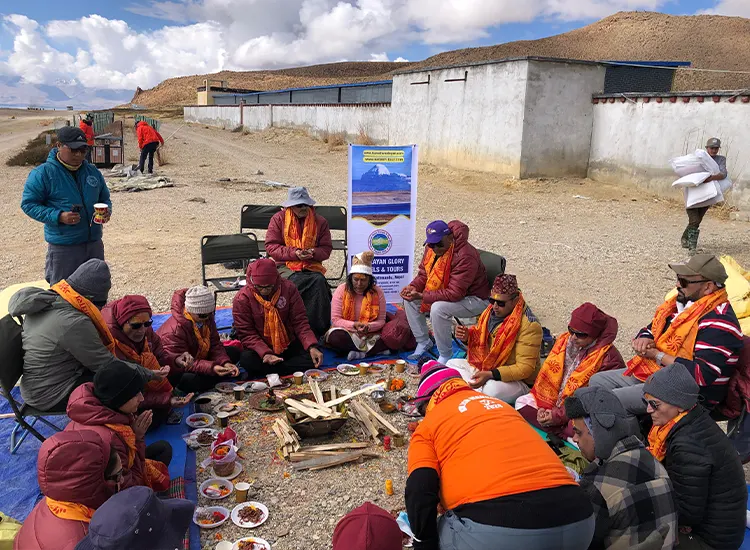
220,249
11,369
255,217
336,218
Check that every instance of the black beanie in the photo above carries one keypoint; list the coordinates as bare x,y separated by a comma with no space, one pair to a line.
116,383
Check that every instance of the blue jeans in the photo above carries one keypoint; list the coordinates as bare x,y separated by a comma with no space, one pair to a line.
463,534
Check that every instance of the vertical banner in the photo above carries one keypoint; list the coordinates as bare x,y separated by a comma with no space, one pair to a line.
382,212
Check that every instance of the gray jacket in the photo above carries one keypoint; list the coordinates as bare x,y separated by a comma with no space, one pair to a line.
59,344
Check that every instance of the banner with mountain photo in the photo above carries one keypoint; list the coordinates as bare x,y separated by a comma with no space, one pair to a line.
382,212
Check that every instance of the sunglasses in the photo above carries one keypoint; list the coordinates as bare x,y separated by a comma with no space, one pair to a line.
203,315
577,334
650,403
136,326
501,303
684,283
435,245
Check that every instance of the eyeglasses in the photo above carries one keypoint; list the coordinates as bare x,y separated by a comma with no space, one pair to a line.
650,403
684,283
577,334
136,326
501,303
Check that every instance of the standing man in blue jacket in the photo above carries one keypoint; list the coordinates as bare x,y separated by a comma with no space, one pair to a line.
61,194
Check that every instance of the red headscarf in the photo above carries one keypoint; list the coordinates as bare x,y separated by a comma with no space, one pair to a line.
589,319
128,306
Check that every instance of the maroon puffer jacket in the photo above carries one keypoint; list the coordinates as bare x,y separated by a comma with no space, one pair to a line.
468,274
249,317
70,468
86,412
177,337
276,246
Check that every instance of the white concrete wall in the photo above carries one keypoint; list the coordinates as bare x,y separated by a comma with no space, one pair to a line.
475,124
558,118
634,142
227,117
258,117
347,119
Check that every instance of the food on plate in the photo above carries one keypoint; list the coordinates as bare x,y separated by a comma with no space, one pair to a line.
216,490
249,545
208,517
397,384
347,369
250,514
205,438
200,419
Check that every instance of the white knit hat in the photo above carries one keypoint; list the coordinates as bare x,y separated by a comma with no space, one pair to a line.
199,299
362,263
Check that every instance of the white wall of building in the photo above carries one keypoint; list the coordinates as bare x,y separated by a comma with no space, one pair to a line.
227,117
634,142
347,119
258,117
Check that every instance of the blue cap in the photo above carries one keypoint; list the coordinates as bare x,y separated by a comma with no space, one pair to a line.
436,231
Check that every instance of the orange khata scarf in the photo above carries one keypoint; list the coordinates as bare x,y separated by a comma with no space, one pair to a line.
446,390
273,329
547,390
657,437
148,361
367,313
87,308
486,357
308,239
202,335
679,338
157,473
70,510
438,272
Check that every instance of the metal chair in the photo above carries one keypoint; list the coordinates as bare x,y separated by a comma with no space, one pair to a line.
11,369
256,217
337,221
222,249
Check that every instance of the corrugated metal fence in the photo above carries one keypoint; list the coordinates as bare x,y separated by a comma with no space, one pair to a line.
154,123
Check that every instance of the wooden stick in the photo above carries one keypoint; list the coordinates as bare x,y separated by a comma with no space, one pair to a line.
316,391
304,409
345,398
364,418
329,461
333,391
388,426
336,447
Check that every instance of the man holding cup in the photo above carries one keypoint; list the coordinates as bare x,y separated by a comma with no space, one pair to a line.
68,195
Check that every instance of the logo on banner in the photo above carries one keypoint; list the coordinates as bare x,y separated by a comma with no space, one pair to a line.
380,241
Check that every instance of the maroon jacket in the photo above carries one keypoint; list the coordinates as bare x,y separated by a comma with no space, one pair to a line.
151,400
276,246
177,337
70,468
86,412
249,317
468,274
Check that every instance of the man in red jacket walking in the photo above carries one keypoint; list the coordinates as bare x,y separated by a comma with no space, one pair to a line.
87,125
148,142
452,282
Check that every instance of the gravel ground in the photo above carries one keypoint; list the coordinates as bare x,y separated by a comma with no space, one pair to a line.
610,247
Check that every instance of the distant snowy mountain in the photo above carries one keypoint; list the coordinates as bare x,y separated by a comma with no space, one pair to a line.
16,93
379,179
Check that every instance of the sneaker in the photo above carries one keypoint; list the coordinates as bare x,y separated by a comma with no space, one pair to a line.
422,348
355,355
443,360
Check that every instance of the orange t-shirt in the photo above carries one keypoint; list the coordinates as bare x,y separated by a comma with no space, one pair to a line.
483,449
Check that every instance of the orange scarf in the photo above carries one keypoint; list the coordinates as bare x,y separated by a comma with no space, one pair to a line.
369,311
147,360
446,390
157,473
657,437
70,510
485,357
438,272
308,239
679,339
202,335
87,308
273,329
547,390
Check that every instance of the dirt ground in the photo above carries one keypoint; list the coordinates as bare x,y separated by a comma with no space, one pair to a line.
567,240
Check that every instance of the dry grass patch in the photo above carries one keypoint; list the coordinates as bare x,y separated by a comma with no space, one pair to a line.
35,152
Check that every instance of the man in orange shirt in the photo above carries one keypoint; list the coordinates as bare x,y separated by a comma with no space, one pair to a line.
87,125
501,484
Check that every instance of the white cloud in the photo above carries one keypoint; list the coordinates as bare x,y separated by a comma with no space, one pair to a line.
730,7
210,35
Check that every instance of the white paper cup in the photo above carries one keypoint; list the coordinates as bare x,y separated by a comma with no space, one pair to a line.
273,379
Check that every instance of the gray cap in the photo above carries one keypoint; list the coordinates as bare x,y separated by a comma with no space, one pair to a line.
713,142
707,266
673,385
297,196
92,280
609,420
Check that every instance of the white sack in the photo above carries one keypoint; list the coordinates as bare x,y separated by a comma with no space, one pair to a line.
695,197
700,161
691,180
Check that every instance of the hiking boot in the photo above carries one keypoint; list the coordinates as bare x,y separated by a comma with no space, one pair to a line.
684,238
693,234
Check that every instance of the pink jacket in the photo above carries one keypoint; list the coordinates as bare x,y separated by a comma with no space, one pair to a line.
276,246
338,303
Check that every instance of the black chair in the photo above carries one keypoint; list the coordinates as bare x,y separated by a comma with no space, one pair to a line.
11,369
337,221
223,249
255,217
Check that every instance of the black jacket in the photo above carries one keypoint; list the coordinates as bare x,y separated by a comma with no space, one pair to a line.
708,480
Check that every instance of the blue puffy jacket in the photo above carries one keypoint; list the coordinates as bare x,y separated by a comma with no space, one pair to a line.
51,189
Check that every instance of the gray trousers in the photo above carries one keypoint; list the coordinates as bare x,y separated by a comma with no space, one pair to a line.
456,533
628,389
441,315
63,260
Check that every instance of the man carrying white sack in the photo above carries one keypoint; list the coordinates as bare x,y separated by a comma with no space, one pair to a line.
695,215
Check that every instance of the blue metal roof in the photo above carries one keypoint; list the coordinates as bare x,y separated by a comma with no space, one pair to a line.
652,63
329,86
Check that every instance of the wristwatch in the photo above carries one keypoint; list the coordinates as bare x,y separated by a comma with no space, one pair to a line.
496,375
659,357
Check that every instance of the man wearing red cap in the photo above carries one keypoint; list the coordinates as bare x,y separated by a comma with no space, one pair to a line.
368,527
504,346
270,320
587,348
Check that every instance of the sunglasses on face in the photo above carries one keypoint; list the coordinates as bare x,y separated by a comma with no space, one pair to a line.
136,326
650,403
684,283
577,334
203,315
501,303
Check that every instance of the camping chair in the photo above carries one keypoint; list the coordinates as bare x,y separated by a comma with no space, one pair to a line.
11,368
336,218
257,217
220,249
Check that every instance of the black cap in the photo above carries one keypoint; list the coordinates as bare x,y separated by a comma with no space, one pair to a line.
72,137
116,383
